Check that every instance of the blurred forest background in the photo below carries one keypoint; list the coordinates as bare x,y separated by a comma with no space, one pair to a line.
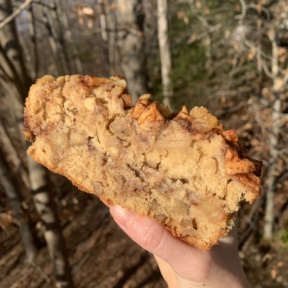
230,56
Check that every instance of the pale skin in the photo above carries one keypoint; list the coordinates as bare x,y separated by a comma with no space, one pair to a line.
182,265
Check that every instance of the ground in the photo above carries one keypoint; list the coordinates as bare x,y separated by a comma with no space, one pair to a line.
101,255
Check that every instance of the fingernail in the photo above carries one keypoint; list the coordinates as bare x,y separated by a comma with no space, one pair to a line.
119,213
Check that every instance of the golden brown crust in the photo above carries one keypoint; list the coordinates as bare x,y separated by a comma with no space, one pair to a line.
184,171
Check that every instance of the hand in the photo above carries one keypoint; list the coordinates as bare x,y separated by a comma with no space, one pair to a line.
182,265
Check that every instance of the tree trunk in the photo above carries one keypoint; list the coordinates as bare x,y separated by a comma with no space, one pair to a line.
103,21
14,198
12,67
67,33
14,70
164,51
46,209
33,37
259,51
112,28
273,142
102,11
272,168
56,39
131,45
15,82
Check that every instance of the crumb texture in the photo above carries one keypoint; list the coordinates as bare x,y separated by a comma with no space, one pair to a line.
184,171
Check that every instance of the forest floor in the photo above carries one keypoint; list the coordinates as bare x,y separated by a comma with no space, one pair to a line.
100,255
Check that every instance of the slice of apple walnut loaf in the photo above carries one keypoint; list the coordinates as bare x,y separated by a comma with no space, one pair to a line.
185,171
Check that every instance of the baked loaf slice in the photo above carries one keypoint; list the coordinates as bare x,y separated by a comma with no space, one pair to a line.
185,171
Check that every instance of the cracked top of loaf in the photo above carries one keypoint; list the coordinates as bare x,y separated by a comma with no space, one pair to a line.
183,170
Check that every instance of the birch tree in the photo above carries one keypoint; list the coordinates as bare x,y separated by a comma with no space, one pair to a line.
111,44
46,207
18,213
270,69
164,50
13,194
131,45
103,11
14,76
277,121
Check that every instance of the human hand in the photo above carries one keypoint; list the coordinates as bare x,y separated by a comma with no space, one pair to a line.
182,265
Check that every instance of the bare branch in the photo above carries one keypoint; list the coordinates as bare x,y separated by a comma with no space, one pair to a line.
164,49
243,12
267,71
15,13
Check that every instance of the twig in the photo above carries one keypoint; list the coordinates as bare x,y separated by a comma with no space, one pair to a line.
81,263
229,110
243,12
15,13
42,273
250,223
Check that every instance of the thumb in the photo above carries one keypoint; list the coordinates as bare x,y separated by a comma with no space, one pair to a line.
154,238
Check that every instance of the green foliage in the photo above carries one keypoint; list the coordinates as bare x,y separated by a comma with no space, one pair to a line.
189,74
188,60
281,238
195,68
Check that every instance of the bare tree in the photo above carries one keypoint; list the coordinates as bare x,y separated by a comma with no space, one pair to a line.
131,45
51,19
73,53
164,49
14,77
112,36
13,74
7,171
46,208
270,73
276,123
102,9
103,21
18,213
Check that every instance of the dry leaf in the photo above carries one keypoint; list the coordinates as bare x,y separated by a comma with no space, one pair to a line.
251,54
274,273
198,4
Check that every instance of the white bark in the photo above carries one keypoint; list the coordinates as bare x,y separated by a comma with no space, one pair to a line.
272,166
112,51
131,45
273,142
103,21
46,209
12,67
103,10
164,51
14,198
